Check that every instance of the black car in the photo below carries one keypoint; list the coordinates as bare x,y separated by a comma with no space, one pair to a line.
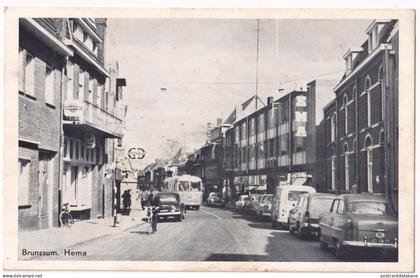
170,206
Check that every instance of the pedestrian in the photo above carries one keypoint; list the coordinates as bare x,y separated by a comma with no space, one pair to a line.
143,198
127,200
354,188
154,202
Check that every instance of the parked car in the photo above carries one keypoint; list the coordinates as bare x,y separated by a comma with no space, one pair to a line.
262,208
285,199
360,222
249,204
171,206
240,203
304,218
215,199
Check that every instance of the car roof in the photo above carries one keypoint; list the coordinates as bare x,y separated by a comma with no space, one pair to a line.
168,193
322,195
363,197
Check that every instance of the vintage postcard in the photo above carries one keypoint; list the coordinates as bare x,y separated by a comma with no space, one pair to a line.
209,139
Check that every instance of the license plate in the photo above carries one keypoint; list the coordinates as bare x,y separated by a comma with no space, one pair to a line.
380,240
164,210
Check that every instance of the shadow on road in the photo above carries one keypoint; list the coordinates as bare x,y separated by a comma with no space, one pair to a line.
236,257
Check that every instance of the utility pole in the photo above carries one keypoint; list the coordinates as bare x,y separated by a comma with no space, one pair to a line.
256,75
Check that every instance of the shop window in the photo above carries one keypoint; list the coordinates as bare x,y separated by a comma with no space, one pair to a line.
345,105
24,182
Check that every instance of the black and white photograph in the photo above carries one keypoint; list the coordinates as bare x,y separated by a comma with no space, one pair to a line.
197,139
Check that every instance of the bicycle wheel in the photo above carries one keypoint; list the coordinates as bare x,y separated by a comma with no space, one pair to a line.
66,219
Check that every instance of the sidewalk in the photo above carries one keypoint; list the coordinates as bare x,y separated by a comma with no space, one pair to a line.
56,239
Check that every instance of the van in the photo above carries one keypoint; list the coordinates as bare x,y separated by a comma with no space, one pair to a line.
285,199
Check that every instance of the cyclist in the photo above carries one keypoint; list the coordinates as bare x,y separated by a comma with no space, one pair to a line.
154,202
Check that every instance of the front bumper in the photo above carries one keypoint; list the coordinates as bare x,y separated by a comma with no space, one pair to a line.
311,228
367,244
169,213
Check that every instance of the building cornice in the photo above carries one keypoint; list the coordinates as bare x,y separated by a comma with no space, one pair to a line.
368,59
46,36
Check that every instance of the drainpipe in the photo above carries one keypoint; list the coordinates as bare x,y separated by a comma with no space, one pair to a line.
61,144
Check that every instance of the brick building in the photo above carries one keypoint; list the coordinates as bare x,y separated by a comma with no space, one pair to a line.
277,144
69,107
42,58
361,123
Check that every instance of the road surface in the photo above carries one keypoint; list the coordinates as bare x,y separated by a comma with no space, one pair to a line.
208,234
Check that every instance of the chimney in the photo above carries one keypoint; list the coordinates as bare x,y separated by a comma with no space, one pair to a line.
219,121
269,100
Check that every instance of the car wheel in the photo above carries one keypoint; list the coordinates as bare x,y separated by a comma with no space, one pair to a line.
274,223
340,251
197,207
300,232
322,244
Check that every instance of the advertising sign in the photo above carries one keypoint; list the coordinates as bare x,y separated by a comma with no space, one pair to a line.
73,110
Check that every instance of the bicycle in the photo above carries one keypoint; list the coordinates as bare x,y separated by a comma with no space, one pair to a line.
65,217
150,211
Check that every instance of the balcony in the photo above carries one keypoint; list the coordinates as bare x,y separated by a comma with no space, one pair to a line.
81,113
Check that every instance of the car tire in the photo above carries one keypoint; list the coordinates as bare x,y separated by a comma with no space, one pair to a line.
300,232
323,244
274,223
197,207
340,251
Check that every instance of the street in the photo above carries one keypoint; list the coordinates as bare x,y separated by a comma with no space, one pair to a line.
209,234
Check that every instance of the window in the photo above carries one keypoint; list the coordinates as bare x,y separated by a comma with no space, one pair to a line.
346,168
244,134
71,149
333,161
100,96
334,205
49,85
367,90
369,163
23,182
81,90
340,208
252,127
90,97
65,148
333,128
261,126
381,88
27,80
345,104
70,75
261,150
82,150
77,150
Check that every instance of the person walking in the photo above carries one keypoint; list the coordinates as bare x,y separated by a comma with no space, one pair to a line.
154,202
143,198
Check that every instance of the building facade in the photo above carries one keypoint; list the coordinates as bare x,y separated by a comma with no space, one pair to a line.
42,58
70,106
361,124
279,143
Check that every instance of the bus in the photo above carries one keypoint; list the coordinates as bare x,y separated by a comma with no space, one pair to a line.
190,189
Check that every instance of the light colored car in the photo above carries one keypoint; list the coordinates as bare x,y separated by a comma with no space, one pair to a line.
249,204
262,208
240,203
215,199
304,218
360,221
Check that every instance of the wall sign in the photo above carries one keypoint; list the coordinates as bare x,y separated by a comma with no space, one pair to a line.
136,153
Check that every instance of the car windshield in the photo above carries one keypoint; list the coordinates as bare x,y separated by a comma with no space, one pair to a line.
294,195
266,199
319,206
368,207
188,186
216,195
168,198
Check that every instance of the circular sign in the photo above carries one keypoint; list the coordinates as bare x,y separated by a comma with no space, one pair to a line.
136,153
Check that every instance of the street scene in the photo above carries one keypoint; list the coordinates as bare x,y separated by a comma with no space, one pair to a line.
252,139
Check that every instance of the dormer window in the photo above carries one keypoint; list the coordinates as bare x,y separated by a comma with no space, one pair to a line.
373,33
349,58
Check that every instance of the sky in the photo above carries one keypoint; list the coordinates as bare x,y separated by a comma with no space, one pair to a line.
210,65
